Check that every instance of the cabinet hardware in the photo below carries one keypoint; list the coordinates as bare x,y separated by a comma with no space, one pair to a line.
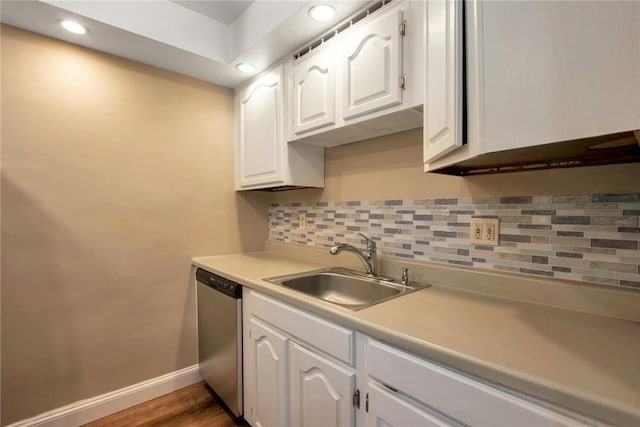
355,398
403,81
366,403
403,28
405,276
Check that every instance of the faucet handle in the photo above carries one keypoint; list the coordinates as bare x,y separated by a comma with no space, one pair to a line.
405,276
371,245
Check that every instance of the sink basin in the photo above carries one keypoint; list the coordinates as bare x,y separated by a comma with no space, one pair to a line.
346,288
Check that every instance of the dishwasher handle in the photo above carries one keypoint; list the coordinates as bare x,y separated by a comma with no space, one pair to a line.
219,283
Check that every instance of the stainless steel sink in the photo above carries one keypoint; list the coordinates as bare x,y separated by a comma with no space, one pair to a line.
344,287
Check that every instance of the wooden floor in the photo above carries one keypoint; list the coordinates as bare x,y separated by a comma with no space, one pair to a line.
190,406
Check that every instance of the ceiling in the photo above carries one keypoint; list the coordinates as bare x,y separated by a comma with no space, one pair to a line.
201,39
222,11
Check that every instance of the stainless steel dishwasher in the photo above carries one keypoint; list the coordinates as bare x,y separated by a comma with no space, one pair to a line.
220,337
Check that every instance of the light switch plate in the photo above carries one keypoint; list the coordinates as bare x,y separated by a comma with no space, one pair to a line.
484,231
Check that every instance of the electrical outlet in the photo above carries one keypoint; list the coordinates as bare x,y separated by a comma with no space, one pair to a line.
484,231
302,220
489,231
476,231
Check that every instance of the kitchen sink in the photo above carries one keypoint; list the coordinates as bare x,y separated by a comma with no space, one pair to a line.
344,287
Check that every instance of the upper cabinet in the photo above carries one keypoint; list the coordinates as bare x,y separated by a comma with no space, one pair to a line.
260,131
364,82
496,86
444,71
263,157
537,73
372,65
313,92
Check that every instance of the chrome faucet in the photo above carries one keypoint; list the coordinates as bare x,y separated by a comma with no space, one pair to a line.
368,257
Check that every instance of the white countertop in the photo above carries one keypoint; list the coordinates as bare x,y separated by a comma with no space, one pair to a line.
585,362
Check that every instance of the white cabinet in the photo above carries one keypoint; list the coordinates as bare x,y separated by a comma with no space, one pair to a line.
387,409
263,158
364,82
320,390
265,374
443,105
295,372
453,395
577,78
260,144
313,92
301,370
372,65
541,72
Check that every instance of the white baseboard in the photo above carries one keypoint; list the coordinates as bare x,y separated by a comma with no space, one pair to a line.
88,410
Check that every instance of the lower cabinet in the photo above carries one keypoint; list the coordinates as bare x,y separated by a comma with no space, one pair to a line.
387,409
265,375
320,390
291,378
416,382
301,370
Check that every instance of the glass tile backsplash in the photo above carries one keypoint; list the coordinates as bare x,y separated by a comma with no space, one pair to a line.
586,237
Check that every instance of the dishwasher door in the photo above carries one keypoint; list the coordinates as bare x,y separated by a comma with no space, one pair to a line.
220,337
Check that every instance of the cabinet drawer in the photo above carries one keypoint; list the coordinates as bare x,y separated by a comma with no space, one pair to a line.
457,396
321,334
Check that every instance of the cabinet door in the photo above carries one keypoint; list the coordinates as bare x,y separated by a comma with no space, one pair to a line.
372,64
557,71
314,91
320,391
265,376
260,139
444,86
385,409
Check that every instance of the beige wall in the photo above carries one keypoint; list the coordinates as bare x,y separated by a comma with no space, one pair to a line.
391,168
114,175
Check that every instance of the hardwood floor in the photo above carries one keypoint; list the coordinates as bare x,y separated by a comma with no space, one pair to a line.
190,406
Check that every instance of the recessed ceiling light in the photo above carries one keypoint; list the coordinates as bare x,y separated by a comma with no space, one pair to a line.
74,27
322,12
246,68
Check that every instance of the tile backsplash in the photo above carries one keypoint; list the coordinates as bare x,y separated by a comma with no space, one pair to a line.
586,237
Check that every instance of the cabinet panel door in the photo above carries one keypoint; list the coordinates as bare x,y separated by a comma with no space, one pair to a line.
372,65
260,118
444,86
314,92
387,410
320,391
573,70
265,376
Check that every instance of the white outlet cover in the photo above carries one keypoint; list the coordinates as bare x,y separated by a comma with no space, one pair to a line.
483,223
